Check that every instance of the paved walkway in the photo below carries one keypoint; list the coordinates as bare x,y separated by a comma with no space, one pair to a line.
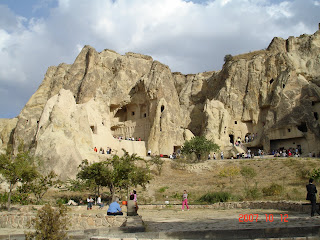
166,221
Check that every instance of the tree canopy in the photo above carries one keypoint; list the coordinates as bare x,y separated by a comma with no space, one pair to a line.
116,174
200,146
16,168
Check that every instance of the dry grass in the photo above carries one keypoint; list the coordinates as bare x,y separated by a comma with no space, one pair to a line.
199,179
202,178
249,55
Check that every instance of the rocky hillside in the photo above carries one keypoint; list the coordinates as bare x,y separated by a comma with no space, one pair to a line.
104,98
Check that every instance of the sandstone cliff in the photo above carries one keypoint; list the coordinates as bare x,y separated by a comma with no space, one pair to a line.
101,97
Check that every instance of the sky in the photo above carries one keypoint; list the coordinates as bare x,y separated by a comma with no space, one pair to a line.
189,36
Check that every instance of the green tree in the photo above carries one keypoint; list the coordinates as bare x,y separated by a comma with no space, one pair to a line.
50,224
40,185
200,146
158,162
116,174
17,168
97,174
126,173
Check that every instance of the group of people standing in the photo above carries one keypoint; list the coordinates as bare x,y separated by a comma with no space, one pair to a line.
101,151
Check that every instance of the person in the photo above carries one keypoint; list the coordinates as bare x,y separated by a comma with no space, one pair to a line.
221,155
95,149
114,208
72,202
132,207
99,203
149,152
134,195
185,200
214,156
90,202
311,195
209,157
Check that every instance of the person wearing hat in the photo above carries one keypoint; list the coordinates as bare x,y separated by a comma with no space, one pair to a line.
311,195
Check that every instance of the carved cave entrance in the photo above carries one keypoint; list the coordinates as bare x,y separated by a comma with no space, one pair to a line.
231,137
131,120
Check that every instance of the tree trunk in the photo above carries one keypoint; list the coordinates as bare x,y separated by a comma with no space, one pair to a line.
112,192
9,196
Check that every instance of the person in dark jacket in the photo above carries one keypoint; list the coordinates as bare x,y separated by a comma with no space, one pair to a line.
311,195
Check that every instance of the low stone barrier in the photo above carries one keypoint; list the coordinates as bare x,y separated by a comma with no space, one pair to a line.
78,221
278,205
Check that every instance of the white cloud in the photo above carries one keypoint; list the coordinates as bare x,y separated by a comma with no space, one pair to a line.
187,36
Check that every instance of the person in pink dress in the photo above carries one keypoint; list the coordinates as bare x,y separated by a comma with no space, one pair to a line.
185,200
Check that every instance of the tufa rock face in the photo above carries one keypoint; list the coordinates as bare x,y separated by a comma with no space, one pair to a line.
273,94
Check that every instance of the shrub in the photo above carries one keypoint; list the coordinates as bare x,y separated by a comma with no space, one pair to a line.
273,190
303,174
252,193
179,164
216,197
158,162
163,189
230,172
248,173
228,57
50,224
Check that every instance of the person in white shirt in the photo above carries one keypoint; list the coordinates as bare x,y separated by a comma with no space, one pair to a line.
90,203
99,203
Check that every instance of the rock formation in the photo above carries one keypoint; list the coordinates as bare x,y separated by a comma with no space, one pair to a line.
101,97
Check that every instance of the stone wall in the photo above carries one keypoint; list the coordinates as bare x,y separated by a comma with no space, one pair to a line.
79,221
279,205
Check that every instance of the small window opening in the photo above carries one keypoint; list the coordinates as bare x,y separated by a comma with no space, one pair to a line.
283,85
162,108
271,81
289,130
235,122
316,116
145,115
93,129
303,127
132,113
313,103
38,121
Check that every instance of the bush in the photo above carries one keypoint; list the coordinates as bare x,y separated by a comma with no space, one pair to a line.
50,224
179,164
230,172
273,190
252,193
216,197
158,162
16,198
303,174
228,57
163,189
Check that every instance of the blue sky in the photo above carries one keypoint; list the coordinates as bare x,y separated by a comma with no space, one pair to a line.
188,36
